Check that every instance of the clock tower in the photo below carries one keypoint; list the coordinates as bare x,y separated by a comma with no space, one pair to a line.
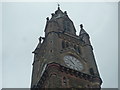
63,59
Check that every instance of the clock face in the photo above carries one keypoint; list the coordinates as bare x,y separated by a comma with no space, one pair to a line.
73,63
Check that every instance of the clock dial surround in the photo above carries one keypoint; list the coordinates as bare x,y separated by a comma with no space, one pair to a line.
73,63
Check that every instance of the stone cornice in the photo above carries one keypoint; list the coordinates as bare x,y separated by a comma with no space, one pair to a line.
66,70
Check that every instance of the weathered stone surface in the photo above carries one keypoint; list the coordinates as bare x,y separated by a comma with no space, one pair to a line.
49,67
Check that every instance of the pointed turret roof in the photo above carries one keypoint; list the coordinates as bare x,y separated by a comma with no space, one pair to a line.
61,22
82,31
58,13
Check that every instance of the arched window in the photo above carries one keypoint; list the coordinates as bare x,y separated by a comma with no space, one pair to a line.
67,44
75,47
78,50
91,71
67,26
63,44
64,81
51,51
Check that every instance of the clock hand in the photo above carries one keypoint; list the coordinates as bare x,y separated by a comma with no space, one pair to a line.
72,62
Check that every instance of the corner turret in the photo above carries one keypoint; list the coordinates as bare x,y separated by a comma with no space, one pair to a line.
84,36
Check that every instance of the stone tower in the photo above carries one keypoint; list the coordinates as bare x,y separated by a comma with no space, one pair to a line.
63,59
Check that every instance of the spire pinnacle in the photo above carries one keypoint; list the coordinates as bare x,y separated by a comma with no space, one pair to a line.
81,26
58,6
82,31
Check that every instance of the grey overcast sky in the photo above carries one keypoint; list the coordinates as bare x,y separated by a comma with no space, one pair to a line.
24,23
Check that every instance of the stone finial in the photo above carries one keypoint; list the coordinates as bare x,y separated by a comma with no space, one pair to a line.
47,18
52,14
58,6
40,39
82,31
81,26
65,12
